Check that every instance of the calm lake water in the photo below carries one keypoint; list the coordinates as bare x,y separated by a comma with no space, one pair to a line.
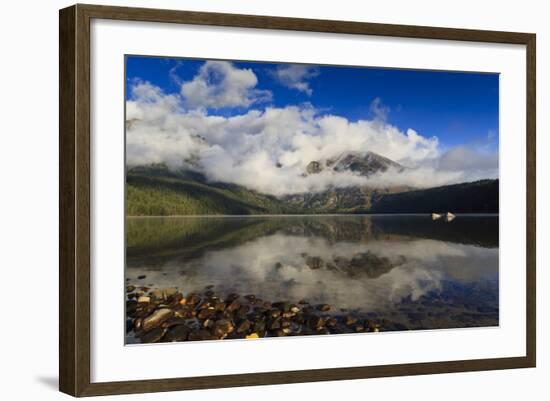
418,273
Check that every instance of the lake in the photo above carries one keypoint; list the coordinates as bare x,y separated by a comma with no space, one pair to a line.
407,270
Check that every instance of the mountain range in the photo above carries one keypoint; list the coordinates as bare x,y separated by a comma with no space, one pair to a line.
158,190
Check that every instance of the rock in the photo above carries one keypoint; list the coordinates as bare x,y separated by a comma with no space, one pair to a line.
144,300
259,326
209,287
130,288
244,326
250,297
282,306
233,306
243,311
294,309
205,313
153,336
275,324
173,321
177,333
200,335
331,322
323,307
231,297
157,294
316,323
350,320
193,299
223,327
303,302
156,319
141,277
274,313
137,324
170,292
131,307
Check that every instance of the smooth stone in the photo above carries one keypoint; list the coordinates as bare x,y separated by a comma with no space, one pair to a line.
177,333
144,300
130,288
323,307
141,277
244,326
223,327
156,319
153,336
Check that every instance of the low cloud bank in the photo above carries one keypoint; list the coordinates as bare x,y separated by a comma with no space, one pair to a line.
269,150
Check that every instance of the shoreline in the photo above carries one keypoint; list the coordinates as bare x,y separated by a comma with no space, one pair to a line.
168,315
303,215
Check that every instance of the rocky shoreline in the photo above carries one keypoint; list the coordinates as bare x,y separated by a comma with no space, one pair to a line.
170,315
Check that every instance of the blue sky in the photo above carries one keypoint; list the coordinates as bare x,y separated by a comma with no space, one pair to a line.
458,108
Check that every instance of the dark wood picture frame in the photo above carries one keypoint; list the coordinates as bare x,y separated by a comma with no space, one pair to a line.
74,202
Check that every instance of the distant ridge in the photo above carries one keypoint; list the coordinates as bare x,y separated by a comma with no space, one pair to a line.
157,191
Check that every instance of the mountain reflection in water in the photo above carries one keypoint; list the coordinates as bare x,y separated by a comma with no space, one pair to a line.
409,269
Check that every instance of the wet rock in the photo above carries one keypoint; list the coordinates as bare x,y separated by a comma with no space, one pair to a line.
231,297
137,324
316,322
153,336
323,307
209,287
223,327
177,333
294,309
131,307
130,288
250,297
243,311
295,328
349,320
244,326
200,335
156,319
274,313
331,322
275,324
173,321
141,277
193,299
144,300
303,302
233,306
205,313
209,293
282,306
259,326
359,328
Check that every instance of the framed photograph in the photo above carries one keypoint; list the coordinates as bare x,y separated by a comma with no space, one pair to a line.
250,200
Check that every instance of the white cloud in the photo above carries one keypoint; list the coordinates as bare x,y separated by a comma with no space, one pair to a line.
219,84
295,76
269,150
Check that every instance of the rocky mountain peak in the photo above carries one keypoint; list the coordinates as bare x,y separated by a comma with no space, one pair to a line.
366,163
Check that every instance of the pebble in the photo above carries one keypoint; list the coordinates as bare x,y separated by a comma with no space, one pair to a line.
156,319
166,315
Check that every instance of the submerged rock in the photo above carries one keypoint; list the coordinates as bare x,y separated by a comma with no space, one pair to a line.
156,319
